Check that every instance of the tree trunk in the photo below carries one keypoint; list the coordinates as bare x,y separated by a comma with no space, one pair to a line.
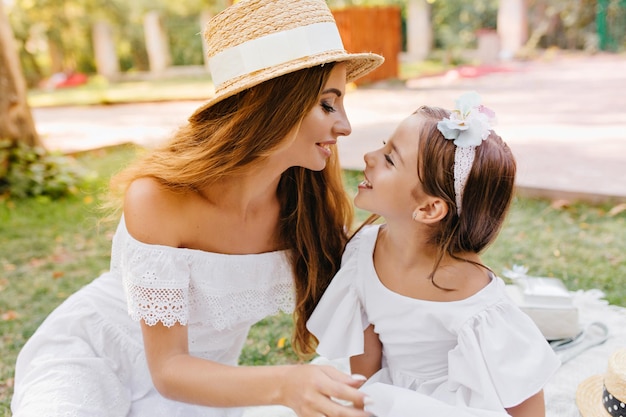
16,120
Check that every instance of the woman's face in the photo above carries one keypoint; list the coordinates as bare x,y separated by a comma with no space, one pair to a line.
391,186
316,137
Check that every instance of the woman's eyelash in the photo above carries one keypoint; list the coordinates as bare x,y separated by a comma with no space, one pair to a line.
327,107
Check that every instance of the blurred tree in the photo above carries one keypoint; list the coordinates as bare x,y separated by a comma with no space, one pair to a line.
16,121
564,24
455,23
577,24
31,67
56,35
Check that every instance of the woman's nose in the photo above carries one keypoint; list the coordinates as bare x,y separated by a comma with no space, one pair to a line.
343,127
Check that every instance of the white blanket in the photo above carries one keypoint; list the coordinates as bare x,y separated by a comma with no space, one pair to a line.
561,390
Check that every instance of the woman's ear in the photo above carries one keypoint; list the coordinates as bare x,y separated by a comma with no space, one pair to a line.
431,211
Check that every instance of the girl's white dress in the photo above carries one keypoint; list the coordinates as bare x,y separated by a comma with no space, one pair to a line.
87,358
482,352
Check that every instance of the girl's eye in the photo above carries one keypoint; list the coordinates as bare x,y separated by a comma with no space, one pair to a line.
388,156
328,108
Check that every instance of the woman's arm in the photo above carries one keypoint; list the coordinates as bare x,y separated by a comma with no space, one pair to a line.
368,363
155,215
534,406
306,389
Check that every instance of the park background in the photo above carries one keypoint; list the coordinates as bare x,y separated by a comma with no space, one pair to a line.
104,52
118,39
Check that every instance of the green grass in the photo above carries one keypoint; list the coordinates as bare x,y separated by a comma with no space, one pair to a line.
583,245
52,248
422,69
100,91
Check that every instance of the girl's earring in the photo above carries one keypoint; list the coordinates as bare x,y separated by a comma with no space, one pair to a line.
414,215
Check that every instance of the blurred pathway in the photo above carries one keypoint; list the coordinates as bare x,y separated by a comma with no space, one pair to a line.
565,120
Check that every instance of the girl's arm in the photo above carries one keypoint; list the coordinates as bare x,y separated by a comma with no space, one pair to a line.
534,406
304,388
370,361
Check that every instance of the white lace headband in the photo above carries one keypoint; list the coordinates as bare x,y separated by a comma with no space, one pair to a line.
468,125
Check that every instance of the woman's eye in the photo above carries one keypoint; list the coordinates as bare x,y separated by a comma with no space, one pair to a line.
327,107
388,159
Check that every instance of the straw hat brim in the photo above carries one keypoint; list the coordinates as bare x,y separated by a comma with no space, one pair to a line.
358,65
589,397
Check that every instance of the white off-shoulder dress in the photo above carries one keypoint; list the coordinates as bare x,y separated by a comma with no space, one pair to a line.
481,353
87,357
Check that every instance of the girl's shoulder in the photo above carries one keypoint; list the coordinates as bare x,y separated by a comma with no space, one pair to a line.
492,310
363,239
366,234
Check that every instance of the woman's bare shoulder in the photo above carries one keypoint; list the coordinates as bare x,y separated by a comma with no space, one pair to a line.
152,212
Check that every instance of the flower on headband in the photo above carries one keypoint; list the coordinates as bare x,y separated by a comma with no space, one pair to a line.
468,124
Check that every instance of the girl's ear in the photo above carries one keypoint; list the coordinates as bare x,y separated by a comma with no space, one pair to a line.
431,211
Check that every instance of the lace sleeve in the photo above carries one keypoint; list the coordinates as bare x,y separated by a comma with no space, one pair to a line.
156,282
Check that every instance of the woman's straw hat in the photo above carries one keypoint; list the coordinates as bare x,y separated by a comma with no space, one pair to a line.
257,40
605,395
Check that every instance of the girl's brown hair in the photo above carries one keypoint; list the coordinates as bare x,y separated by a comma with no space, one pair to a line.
488,191
487,195
234,136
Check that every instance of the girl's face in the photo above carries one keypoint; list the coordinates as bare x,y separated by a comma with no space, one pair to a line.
316,137
391,187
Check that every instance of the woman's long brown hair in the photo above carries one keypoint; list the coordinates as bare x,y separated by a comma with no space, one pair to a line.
234,136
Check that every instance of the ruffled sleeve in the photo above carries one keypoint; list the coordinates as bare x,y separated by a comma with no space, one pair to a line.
156,282
339,320
501,358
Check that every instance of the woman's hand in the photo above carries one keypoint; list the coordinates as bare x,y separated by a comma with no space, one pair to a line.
313,391
307,389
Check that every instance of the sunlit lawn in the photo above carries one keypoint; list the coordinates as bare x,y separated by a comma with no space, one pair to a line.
190,87
52,248
99,91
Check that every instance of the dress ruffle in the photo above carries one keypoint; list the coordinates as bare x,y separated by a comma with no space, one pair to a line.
346,338
490,367
482,353
339,320
186,286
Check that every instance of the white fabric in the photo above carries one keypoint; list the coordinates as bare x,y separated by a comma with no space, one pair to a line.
561,389
482,352
274,49
87,358
394,401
